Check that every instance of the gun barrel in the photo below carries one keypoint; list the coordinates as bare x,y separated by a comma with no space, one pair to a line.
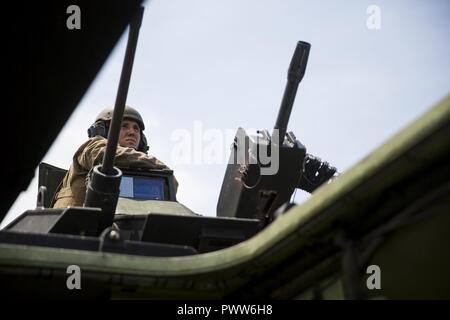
295,75
104,181
122,92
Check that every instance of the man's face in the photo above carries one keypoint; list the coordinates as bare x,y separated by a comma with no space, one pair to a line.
130,134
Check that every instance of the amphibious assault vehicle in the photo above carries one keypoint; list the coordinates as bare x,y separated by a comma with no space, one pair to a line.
387,217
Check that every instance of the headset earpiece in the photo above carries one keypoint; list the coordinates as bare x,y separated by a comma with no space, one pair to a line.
91,131
143,146
100,128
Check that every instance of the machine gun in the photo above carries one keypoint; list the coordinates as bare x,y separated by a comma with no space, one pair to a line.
263,171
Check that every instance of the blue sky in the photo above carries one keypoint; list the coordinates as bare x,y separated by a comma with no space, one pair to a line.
222,65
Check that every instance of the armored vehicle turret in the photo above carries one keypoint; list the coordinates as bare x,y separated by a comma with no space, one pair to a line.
386,218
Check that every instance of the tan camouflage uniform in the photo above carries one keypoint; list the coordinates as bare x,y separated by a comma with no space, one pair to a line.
73,189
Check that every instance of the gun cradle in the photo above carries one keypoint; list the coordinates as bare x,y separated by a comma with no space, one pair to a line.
251,188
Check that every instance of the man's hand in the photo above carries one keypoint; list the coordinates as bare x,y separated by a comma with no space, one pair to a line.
315,173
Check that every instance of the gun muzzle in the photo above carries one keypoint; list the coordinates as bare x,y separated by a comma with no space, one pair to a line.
295,75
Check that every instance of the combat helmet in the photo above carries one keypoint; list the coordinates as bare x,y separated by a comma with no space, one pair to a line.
103,119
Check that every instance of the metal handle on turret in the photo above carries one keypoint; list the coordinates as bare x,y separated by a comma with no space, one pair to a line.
295,75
